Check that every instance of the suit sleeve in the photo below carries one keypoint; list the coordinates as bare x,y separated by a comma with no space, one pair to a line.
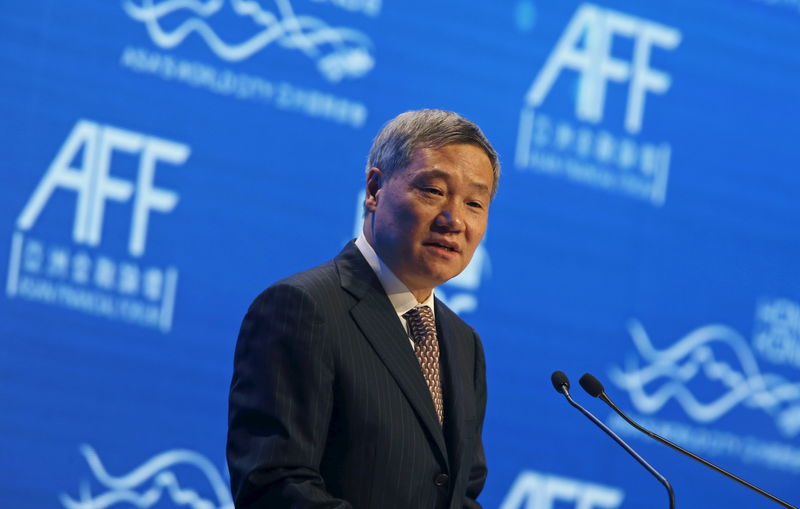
478,471
280,404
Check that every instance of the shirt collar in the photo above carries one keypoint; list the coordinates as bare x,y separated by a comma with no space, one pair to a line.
400,296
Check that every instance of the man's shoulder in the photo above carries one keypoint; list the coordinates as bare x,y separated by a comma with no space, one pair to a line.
322,278
312,289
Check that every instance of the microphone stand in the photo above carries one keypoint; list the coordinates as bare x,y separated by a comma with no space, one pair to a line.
562,386
695,457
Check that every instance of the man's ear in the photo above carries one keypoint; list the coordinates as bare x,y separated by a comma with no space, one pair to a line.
374,184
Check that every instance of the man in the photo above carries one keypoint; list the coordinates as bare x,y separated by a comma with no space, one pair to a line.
353,386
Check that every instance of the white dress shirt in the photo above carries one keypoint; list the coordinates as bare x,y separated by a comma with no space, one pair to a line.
400,296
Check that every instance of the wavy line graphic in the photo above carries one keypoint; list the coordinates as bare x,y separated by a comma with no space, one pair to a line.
157,475
338,52
672,369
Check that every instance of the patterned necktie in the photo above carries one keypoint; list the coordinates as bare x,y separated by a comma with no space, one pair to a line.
426,347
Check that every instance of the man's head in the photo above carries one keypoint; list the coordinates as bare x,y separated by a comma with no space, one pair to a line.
431,176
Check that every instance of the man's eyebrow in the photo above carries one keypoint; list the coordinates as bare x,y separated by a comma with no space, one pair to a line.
436,173
480,186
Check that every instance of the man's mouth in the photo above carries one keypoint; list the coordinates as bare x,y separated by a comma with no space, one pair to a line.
444,245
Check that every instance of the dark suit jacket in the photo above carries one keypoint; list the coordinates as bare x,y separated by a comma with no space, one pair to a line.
329,408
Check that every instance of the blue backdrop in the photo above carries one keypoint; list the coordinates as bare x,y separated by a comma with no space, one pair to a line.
165,160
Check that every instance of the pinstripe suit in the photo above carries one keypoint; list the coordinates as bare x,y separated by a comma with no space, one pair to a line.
328,406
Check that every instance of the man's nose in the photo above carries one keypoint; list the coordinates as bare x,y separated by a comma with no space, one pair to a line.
450,219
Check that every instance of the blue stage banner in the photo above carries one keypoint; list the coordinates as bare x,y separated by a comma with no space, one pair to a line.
166,160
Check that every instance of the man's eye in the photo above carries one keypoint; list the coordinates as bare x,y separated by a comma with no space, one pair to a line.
431,190
475,204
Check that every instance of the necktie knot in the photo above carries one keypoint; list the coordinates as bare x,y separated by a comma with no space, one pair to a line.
421,324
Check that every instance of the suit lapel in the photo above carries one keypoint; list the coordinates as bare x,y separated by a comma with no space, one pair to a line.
378,320
454,397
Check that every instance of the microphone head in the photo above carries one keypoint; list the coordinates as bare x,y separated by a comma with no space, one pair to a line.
560,381
591,385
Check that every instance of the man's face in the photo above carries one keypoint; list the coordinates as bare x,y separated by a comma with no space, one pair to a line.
428,219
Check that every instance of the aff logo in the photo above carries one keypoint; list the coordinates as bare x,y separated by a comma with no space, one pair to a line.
582,148
81,276
585,47
533,490
94,184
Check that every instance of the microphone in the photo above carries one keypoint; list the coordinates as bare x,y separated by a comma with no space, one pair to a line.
595,389
561,384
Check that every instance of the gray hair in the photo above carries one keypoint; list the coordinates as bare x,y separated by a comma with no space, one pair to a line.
394,146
